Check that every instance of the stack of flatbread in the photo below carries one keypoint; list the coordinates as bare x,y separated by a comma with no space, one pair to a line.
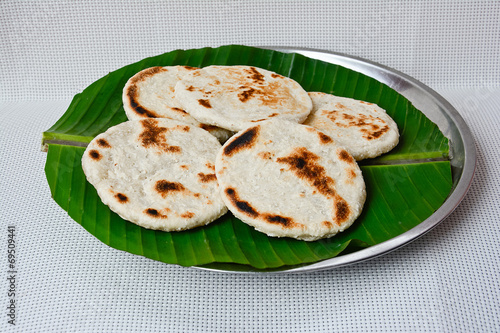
202,141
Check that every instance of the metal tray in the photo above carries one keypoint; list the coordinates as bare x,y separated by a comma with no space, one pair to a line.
438,110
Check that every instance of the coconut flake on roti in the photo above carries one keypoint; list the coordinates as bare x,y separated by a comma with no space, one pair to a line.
290,180
150,94
235,97
157,173
364,129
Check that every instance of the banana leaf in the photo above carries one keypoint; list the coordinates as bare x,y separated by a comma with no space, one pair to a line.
399,196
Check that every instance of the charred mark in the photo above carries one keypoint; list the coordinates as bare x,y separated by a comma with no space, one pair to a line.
147,72
205,103
341,210
183,128
242,206
345,156
304,164
122,198
153,136
103,143
245,95
95,155
244,140
286,222
375,134
152,212
206,178
142,111
187,215
155,213
255,75
276,76
323,138
164,187
327,224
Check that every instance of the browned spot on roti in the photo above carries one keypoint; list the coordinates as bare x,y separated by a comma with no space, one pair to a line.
103,143
210,166
345,156
122,198
246,94
206,178
196,195
190,68
374,134
95,155
327,224
273,115
205,103
340,106
367,103
276,76
183,128
285,222
187,215
255,75
267,155
154,136
183,166
244,140
155,213
243,206
323,138
164,187
351,174
342,210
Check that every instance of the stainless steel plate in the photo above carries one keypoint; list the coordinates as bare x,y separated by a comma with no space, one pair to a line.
438,110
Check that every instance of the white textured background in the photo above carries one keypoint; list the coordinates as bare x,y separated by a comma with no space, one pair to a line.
447,281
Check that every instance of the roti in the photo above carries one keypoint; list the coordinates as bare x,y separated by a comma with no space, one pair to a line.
150,94
364,129
290,180
235,97
157,173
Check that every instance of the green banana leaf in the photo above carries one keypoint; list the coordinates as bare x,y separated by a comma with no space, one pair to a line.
399,196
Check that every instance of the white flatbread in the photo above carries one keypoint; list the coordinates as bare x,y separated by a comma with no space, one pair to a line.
150,94
364,129
157,173
290,180
234,97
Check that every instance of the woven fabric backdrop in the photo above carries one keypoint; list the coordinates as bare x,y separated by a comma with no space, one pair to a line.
68,281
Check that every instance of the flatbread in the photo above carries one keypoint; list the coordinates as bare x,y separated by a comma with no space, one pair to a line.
290,180
364,129
150,94
157,173
235,97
